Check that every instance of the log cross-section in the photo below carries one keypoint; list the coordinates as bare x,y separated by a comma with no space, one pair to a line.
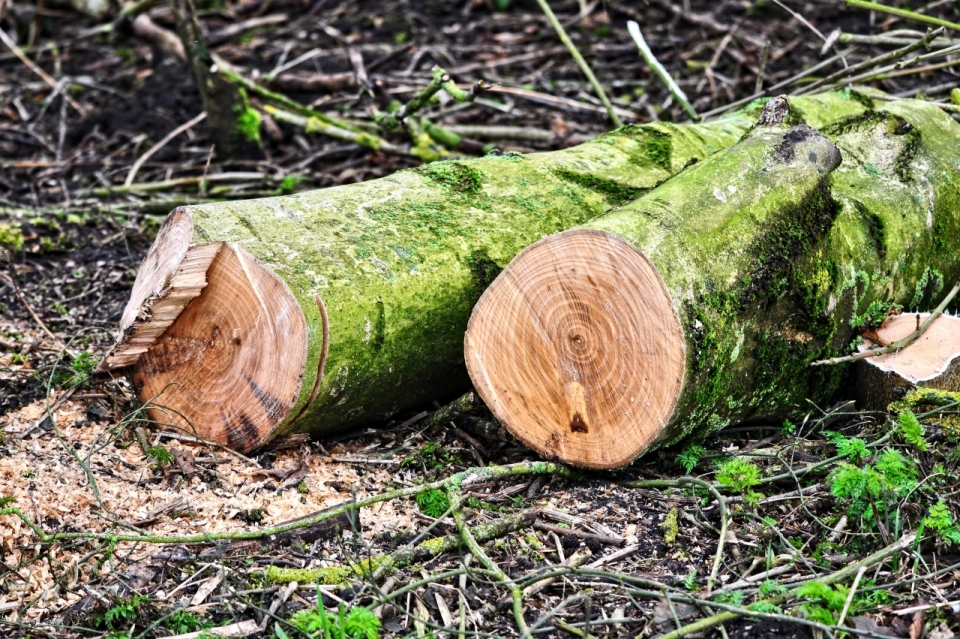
581,344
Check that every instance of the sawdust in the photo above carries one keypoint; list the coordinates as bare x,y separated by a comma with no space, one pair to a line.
225,495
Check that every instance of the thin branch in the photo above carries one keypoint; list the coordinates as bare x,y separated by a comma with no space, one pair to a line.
841,575
146,156
873,62
658,68
903,13
584,67
37,70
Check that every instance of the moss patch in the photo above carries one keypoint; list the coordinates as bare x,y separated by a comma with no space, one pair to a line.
615,192
458,178
11,237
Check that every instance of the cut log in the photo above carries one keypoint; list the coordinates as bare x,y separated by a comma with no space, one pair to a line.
324,310
933,361
704,301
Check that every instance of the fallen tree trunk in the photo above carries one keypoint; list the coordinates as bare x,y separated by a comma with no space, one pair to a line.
323,310
704,301
932,361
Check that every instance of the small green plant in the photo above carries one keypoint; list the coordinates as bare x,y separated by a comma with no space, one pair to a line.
690,456
59,309
182,622
302,487
18,358
825,602
765,607
875,315
740,476
690,581
123,613
771,587
890,476
853,448
940,520
357,623
431,456
433,503
788,429
160,455
734,598
77,372
911,430
11,237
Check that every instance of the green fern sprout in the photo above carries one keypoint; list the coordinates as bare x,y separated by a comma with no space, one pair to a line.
740,476
433,503
160,455
690,457
853,448
911,430
770,587
765,607
824,603
734,598
875,315
357,623
940,520
690,581
899,472
891,475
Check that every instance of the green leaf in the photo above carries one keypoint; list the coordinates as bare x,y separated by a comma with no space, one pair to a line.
911,430
433,503
738,474
690,457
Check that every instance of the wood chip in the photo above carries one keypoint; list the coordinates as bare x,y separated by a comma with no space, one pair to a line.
240,629
207,587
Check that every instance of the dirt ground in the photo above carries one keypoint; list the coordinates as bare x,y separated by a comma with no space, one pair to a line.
78,457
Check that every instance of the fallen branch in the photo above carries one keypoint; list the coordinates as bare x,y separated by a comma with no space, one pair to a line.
584,67
382,565
903,13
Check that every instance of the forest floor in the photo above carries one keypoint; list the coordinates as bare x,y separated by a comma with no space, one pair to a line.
805,502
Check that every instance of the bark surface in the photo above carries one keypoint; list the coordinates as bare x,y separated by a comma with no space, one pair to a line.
382,277
703,302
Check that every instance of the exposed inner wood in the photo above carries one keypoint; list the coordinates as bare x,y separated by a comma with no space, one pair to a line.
172,274
925,359
578,350
232,363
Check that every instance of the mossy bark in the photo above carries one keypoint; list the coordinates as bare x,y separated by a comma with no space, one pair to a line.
399,262
769,249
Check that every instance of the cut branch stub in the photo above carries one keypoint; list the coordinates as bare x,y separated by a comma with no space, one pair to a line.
932,361
579,330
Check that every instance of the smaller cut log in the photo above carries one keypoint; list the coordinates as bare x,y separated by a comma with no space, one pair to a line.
932,361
